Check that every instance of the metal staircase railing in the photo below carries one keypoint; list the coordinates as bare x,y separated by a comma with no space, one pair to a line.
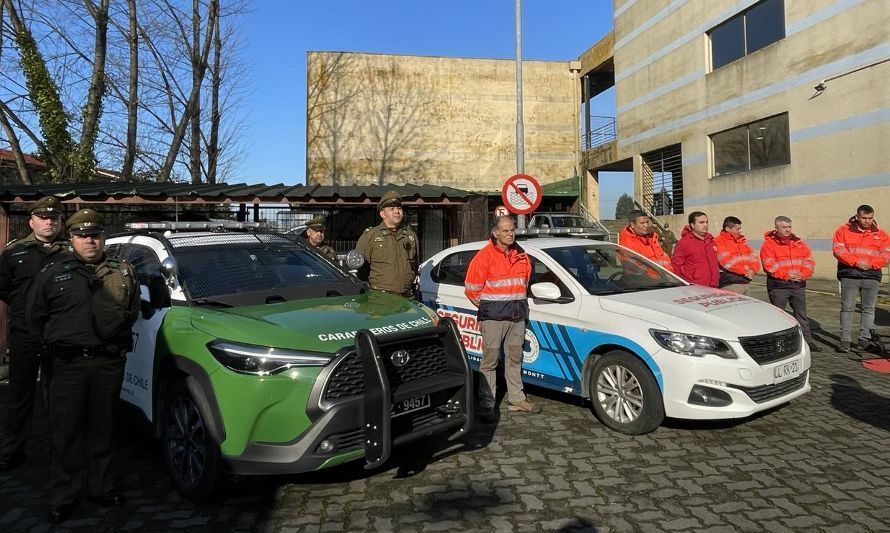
593,220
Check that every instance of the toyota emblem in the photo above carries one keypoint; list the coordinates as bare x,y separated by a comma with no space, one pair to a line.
400,358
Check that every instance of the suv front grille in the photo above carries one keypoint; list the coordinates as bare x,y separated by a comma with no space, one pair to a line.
772,346
765,393
426,359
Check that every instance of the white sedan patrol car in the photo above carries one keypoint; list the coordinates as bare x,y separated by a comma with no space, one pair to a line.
642,344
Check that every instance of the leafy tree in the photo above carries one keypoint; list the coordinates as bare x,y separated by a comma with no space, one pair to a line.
624,207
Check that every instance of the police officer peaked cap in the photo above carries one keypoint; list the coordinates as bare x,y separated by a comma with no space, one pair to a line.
86,222
46,206
389,198
318,223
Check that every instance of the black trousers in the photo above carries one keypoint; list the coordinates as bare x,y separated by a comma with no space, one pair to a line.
797,298
83,397
24,366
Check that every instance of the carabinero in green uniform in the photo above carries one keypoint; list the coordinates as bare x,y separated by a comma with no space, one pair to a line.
315,233
87,305
390,249
19,264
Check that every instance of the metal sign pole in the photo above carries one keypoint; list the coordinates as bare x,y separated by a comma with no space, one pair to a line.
520,130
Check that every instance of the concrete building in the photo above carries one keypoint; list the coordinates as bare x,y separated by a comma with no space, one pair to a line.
746,108
377,119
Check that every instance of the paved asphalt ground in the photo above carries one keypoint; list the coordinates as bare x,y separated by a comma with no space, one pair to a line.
821,463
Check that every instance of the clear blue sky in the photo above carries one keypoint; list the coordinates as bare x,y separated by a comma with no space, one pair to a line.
279,33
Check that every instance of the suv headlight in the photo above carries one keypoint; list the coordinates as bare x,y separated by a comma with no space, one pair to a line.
694,345
262,360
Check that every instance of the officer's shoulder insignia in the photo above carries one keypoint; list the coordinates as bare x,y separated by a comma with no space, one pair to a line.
10,243
47,266
410,237
368,229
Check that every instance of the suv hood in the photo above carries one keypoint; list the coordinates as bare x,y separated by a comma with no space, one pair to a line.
701,311
320,324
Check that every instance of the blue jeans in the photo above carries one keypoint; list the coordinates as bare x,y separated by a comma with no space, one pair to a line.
867,289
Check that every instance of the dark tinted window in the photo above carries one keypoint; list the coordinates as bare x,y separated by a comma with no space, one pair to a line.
764,24
144,260
730,151
728,42
769,142
216,271
453,269
747,32
756,145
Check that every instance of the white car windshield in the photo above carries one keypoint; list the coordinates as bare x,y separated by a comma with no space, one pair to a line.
610,270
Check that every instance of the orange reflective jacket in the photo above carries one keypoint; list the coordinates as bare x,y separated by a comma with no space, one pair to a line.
734,254
785,258
497,282
853,244
645,245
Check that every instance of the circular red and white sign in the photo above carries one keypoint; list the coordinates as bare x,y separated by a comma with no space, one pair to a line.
501,211
521,194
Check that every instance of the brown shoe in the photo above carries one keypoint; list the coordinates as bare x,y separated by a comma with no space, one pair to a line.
867,346
524,406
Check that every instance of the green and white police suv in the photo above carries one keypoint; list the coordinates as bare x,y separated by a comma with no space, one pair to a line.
255,354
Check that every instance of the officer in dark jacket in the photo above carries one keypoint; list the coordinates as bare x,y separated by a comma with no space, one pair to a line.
19,264
390,249
314,233
86,306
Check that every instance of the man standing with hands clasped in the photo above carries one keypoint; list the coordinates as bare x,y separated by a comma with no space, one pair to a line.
497,284
84,308
862,249
738,264
788,264
390,250
19,264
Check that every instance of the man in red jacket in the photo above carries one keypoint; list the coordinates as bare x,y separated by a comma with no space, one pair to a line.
639,237
695,256
788,264
738,264
862,250
497,284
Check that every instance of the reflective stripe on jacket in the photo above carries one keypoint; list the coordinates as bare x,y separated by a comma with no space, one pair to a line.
853,244
736,258
497,283
645,245
784,258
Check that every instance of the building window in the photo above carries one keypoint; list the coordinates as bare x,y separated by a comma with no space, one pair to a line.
756,145
663,181
747,32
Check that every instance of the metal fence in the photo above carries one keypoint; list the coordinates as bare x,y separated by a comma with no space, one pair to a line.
602,130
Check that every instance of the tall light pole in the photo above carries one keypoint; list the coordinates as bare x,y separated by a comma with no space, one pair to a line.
520,129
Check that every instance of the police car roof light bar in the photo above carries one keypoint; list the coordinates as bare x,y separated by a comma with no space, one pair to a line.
193,226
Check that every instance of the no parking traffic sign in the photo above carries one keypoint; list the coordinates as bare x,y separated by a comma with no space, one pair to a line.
521,194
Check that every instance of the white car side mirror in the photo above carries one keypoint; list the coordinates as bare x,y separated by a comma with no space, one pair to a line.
546,291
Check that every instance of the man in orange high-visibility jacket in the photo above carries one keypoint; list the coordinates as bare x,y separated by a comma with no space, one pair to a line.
862,249
738,264
639,237
788,264
497,283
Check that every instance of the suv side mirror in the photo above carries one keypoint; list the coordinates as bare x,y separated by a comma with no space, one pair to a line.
169,269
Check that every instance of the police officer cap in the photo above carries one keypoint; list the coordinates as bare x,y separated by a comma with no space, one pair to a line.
389,198
86,222
46,206
317,223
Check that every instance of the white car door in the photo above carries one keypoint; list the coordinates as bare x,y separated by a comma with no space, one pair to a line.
139,369
551,355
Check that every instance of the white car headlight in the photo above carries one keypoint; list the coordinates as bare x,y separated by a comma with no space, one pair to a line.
262,360
694,345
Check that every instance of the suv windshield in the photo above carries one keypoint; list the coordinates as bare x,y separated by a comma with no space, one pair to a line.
270,271
611,270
